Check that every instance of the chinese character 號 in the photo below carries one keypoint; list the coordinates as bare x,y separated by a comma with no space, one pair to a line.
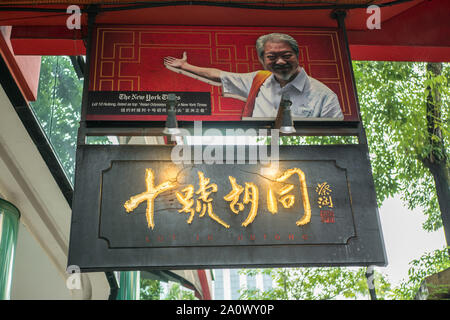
203,203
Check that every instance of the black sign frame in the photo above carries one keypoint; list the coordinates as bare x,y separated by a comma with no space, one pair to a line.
91,252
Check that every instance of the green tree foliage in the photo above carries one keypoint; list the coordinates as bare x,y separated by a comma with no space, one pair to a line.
315,284
177,293
150,289
426,265
393,99
58,108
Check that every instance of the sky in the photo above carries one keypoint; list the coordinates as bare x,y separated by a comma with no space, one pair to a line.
404,238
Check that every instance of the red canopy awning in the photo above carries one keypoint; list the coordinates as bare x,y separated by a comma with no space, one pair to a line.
107,2
411,30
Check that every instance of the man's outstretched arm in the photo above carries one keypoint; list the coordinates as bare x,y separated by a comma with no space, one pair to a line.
182,64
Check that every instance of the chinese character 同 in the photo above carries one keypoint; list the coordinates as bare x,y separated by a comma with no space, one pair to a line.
288,200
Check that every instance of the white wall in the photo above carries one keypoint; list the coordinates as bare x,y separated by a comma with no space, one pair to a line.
25,181
34,275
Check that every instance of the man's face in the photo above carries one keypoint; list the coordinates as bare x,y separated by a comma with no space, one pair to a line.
280,59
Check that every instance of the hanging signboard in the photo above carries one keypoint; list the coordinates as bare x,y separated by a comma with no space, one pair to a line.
134,68
134,208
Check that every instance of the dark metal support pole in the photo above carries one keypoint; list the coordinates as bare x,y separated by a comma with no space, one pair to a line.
371,282
340,15
92,13
82,130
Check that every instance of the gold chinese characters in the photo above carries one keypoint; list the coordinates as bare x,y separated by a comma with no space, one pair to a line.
251,195
149,195
288,200
324,192
203,204
325,203
241,194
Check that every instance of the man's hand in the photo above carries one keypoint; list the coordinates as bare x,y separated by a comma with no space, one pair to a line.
176,63
209,75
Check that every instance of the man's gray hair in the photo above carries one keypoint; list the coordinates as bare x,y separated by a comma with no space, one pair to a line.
275,37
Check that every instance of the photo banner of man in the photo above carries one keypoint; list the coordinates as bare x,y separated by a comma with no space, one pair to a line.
219,74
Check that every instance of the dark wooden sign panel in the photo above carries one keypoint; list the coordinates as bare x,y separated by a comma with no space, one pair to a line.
135,208
328,197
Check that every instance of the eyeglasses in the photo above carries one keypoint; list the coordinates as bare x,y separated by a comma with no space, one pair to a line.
275,56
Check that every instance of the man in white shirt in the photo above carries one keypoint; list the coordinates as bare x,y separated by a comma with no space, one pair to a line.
278,53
